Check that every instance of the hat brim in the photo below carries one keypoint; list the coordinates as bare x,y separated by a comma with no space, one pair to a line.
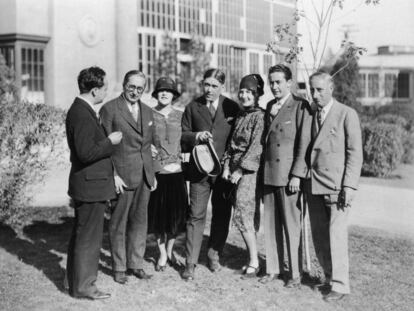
206,159
175,92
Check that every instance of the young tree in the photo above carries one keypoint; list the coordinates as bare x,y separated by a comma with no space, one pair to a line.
318,22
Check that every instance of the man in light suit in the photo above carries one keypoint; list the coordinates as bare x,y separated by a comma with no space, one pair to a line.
335,161
134,176
210,116
91,183
286,138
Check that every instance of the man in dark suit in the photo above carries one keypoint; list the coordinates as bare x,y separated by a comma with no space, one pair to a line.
208,117
286,138
91,182
335,161
134,176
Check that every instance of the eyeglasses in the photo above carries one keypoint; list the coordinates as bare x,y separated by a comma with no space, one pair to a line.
133,88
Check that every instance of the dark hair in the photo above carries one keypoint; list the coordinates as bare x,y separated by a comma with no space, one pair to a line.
254,83
131,73
281,68
215,73
90,78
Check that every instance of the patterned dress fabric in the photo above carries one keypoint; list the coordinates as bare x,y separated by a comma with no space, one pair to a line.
168,206
244,152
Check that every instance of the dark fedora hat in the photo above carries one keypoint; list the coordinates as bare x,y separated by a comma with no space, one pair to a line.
165,84
206,159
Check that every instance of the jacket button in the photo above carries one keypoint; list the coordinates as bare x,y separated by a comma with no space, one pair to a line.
277,160
281,130
278,145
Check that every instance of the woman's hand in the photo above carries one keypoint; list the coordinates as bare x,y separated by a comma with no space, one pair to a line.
235,177
226,174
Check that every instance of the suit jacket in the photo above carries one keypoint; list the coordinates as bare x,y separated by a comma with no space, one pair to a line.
197,118
286,140
132,158
335,157
91,175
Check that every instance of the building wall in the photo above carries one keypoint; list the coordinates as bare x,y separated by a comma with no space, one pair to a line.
8,17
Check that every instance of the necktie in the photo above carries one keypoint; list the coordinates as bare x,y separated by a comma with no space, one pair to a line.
134,111
212,110
320,116
275,109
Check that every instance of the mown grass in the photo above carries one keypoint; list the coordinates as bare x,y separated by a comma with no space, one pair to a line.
31,272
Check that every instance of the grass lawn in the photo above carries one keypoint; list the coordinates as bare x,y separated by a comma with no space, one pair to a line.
31,273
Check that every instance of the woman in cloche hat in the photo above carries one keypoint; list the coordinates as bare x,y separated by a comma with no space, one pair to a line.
168,204
242,159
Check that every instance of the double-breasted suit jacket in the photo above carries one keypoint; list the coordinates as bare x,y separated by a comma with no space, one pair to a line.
132,157
335,157
335,161
286,139
197,118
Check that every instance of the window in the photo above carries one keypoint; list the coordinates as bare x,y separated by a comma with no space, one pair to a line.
267,63
231,60
390,83
373,85
147,57
258,21
25,55
158,14
195,16
362,85
254,63
403,85
228,20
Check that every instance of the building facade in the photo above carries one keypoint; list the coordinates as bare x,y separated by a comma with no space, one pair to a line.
47,42
388,76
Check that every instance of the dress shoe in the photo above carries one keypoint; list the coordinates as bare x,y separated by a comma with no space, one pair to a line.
96,295
160,268
213,260
140,274
270,278
293,283
250,274
188,273
120,277
333,296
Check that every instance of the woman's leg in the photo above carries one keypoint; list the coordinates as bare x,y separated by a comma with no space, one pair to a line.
249,238
170,247
162,260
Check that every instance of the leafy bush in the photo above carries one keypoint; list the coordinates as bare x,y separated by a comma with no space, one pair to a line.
382,147
404,110
30,137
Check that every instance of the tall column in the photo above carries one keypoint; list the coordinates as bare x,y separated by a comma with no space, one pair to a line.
126,38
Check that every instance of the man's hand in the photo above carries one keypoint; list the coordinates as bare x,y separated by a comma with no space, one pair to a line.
294,184
115,138
226,174
154,186
119,184
154,151
235,177
203,137
346,197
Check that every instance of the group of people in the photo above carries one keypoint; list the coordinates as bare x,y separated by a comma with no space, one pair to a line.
128,156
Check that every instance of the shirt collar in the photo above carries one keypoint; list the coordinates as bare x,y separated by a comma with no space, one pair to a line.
327,107
89,103
214,103
283,100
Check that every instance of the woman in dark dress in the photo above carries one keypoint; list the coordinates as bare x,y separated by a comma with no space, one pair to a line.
241,165
167,209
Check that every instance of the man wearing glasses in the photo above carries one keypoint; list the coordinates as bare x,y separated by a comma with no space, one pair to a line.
134,176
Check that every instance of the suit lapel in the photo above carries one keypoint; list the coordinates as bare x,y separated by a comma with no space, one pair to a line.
126,114
203,111
219,117
281,115
331,120
145,119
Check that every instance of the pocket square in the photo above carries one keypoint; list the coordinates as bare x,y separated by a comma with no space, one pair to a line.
288,122
229,119
150,123
332,131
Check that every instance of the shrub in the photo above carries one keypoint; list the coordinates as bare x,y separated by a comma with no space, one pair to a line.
404,110
382,148
30,137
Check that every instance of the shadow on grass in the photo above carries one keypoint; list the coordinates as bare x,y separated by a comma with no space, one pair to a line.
45,240
39,246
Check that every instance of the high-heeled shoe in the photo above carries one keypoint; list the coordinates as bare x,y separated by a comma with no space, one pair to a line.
172,262
159,267
251,274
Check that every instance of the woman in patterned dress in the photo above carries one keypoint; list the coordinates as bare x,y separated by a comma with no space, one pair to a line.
241,165
168,206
